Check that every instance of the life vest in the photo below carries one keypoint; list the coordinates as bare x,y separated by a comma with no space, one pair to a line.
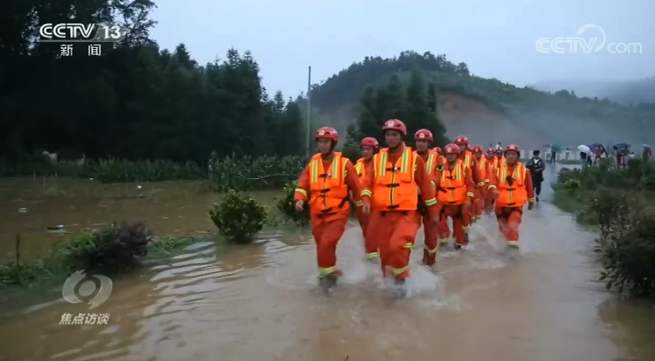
452,188
498,162
395,187
514,195
483,169
328,188
360,168
468,159
431,161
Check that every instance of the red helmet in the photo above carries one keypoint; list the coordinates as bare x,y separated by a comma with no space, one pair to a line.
327,133
395,124
513,148
369,142
461,140
423,134
437,149
451,148
477,149
490,151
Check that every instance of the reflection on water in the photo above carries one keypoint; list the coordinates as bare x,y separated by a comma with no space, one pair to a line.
260,302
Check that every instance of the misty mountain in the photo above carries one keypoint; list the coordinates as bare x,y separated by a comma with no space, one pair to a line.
486,110
625,92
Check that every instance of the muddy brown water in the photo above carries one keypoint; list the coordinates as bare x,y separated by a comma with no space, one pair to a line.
260,302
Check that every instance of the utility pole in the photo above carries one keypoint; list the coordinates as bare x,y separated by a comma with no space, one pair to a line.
309,108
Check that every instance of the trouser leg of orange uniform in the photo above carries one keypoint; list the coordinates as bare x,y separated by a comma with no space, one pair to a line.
327,233
482,201
509,220
431,241
476,206
370,245
442,229
461,223
395,232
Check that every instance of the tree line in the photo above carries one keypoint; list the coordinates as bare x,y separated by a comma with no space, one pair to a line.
349,83
415,103
136,101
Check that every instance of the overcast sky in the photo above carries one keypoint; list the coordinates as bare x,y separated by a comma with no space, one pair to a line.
496,38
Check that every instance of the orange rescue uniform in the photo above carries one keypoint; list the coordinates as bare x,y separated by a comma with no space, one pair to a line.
471,164
326,183
482,165
515,188
363,167
392,189
431,243
455,186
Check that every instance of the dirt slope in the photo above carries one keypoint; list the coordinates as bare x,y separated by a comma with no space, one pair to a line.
463,116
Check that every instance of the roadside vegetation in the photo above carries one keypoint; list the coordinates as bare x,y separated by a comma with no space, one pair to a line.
619,203
122,247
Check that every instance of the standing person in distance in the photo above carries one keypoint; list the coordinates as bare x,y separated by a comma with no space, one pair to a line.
536,166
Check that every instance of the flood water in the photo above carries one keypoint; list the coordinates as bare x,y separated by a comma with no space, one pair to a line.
260,302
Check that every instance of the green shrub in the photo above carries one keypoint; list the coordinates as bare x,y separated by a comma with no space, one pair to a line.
627,244
238,217
572,185
109,250
286,205
25,274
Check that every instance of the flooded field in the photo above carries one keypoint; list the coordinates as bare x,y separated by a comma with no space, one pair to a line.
259,302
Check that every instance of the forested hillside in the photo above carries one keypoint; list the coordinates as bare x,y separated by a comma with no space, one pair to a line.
486,109
136,101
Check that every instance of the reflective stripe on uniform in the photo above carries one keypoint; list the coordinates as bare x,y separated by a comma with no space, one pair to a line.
431,251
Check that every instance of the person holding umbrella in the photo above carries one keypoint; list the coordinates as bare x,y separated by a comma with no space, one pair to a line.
648,152
585,155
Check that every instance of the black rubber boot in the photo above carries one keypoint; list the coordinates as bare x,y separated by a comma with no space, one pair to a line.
328,282
400,289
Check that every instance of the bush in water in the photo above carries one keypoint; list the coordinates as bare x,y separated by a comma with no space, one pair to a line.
238,217
286,205
627,243
248,173
110,250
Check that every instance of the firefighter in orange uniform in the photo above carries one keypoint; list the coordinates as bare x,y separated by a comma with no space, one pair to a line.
325,181
512,187
481,190
369,147
499,159
469,162
455,193
423,138
391,197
